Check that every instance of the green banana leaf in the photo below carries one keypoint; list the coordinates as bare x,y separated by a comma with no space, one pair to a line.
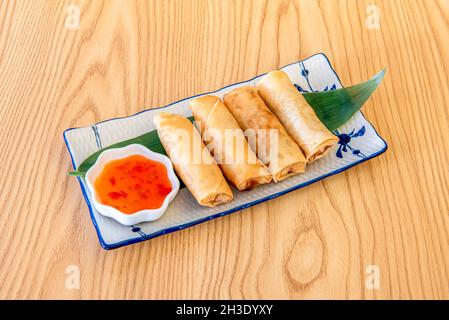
335,107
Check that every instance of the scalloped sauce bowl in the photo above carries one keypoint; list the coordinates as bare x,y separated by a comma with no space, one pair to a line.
132,184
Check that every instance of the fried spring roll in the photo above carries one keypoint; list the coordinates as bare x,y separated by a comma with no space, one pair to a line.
250,111
227,143
296,115
192,161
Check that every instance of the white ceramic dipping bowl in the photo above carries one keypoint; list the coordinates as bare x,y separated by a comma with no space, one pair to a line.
120,153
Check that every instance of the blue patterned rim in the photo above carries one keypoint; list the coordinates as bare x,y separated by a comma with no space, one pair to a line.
144,237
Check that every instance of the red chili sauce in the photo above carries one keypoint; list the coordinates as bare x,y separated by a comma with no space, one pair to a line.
132,184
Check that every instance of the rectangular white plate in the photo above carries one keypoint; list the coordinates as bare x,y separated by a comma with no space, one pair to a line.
359,142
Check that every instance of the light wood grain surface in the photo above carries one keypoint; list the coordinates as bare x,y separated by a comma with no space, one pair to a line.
317,242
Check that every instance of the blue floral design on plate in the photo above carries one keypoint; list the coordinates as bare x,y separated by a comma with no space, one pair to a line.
345,139
138,230
305,73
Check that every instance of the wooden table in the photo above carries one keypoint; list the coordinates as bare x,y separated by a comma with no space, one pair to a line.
385,220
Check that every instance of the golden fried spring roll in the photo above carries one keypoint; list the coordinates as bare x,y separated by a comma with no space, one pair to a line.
254,117
296,114
191,160
227,143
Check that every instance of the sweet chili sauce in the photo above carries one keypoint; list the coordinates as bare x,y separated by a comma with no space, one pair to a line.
132,184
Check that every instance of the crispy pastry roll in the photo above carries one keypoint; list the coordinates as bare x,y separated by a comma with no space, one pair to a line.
266,135
227,143
192,161
296,114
